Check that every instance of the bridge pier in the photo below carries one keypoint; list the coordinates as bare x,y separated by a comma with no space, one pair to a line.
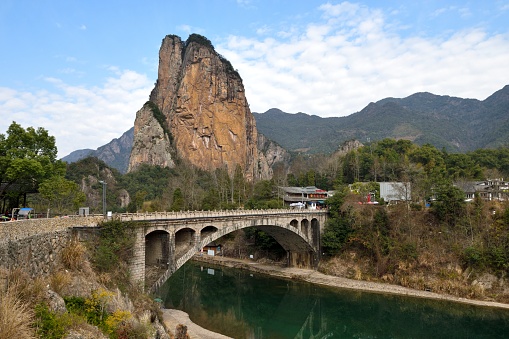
302,259
137,262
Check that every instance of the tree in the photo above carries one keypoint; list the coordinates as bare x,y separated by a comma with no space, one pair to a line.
27,158
61,194
337,232
178,200
449,206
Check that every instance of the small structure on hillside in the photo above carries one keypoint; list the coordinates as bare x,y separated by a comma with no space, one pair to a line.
212,249
488,190
309,197
393,192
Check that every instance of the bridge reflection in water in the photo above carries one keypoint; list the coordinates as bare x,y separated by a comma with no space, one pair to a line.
168,240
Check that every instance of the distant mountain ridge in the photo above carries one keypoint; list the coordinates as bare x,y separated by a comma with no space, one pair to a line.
455,124
115,153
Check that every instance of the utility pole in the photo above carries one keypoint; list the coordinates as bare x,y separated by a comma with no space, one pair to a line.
104,197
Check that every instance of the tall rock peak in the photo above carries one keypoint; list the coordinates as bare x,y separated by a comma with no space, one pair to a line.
203,107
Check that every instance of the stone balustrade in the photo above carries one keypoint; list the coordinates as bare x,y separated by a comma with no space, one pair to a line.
210,214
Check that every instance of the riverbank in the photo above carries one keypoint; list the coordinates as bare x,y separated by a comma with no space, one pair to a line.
316,277
173,318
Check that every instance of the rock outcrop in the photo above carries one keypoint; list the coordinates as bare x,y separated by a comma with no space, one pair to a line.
151,143
347,147
269,154
205,117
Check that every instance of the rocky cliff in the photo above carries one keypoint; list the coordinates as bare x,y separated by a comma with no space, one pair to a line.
204,113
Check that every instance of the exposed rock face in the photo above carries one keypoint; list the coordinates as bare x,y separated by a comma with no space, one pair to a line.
269,154
347,147
151,143
115,154
202,100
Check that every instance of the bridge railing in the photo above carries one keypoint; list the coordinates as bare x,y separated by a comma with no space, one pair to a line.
211,214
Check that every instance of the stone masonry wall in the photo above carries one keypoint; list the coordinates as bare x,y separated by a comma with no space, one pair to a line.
35,245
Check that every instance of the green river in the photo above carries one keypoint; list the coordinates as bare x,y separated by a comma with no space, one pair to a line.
242,304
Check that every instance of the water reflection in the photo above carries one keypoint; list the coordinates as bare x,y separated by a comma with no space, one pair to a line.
245,305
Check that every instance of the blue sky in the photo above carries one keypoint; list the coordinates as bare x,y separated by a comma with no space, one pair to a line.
81,69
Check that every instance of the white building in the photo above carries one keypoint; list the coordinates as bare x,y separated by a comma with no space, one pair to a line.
392,191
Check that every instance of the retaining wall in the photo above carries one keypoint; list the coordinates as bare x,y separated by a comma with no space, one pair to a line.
35,245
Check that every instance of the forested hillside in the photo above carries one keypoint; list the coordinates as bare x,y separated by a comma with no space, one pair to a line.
455,124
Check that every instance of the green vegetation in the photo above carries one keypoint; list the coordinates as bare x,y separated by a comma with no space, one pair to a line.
51,325
159,116
27,159
113,247
199,39
61,194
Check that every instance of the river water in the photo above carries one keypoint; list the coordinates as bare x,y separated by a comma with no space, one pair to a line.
242,304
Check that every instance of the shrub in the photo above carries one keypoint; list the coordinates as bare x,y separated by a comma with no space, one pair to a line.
408,251
115,245
49,325
118,322
473,256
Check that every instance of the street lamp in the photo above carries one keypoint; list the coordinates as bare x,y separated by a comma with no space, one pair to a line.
104,197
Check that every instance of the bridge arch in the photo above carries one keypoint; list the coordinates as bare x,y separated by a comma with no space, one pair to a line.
184,240
174,237
304,226
301,246
207,230
315,232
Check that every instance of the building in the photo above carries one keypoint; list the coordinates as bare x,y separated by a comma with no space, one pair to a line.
391,191
304,197
488,190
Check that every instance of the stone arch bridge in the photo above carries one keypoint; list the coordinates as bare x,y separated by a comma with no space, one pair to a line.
170,239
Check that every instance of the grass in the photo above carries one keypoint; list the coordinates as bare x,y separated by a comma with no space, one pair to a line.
16,317
73,255
59,280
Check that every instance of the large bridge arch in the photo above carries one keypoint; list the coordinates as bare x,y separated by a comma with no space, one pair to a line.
302,248
184,240
157,248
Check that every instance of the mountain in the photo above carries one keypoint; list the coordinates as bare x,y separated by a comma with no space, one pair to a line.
115,153
456,124
198,112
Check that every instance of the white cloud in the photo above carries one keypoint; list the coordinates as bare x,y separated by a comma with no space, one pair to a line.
188,29
352,56
79,117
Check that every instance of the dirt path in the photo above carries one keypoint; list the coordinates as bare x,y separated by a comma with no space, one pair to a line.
174,317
